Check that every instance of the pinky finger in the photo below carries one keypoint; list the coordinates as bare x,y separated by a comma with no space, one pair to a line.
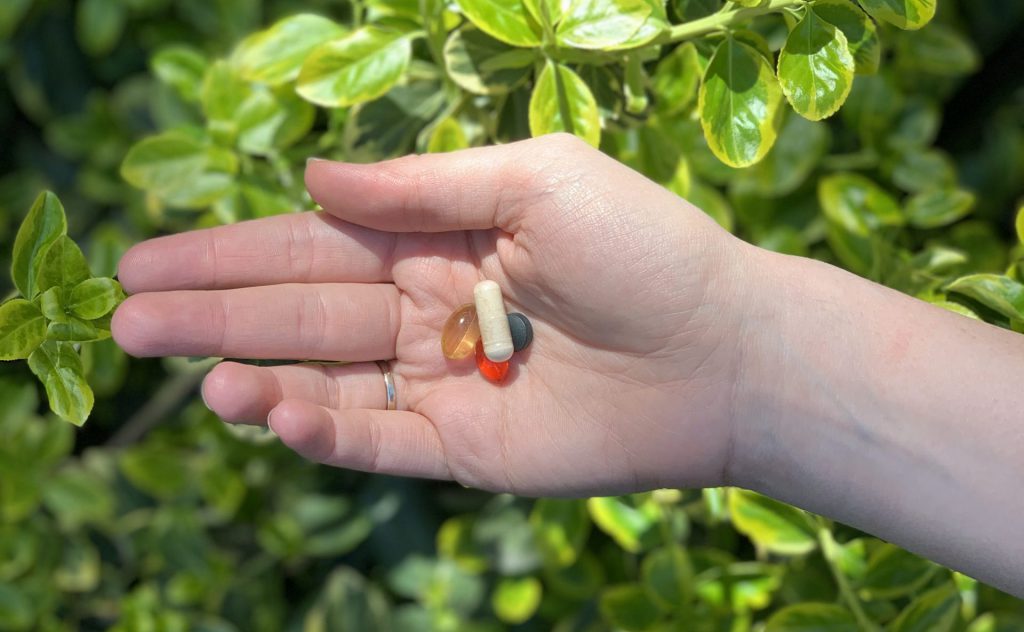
393,442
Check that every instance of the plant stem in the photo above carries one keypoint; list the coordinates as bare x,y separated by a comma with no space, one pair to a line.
827,545
727,17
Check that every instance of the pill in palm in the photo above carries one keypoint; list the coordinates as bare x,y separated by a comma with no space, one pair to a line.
461,333
521,329
493,321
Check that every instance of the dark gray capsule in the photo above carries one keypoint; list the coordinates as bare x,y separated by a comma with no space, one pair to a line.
522,331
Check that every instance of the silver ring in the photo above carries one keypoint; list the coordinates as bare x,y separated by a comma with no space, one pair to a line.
389,384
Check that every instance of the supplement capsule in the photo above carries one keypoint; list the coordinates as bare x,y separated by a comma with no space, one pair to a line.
461,333
493,371
493,321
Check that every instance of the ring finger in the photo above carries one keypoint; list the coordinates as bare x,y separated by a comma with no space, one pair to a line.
242,393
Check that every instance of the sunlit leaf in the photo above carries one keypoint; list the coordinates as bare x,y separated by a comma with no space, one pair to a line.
740,103
562,102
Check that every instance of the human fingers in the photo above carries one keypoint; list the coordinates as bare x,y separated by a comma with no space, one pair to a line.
334,321
472,189
396,442
242,393
296,248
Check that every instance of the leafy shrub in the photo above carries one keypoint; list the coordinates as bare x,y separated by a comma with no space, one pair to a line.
164,518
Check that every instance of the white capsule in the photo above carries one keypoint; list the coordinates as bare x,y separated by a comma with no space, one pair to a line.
493,321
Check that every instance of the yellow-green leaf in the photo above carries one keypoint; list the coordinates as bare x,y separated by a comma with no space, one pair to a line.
997,291
515,600
60,370
94,298
357,68
771,525
483,65
598,24
740,103
934,611
905,14
62,266
860,31
857,204
629,525
812,617
668,576
939,207
562,102
561,528
22,329
816,68
502,19
275,55
45,223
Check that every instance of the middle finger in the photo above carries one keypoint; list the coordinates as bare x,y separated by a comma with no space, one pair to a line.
327,321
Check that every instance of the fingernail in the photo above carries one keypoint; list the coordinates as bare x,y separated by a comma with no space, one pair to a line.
313,159
270,426
202,396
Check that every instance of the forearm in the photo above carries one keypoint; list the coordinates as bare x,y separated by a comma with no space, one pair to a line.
888,414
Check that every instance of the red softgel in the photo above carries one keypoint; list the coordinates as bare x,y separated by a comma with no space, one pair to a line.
493,371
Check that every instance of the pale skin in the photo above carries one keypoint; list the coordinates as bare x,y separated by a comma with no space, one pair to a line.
667,353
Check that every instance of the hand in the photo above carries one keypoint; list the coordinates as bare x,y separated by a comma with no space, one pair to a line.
632,292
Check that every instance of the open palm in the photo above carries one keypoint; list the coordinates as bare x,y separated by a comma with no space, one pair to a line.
629,289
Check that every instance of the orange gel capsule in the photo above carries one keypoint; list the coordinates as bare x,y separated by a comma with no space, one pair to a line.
461,333
493,371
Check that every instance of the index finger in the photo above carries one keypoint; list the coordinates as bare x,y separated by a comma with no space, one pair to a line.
297,248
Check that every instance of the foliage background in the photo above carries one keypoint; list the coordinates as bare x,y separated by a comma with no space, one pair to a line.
155,516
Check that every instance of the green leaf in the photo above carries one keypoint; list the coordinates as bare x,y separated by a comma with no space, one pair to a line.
516,600
630,526
939,207
791,161
997,291
677,78
59,368
182,68
857,204
44,224
939,50
601,24
816,68
628,607
905,14
158,471
275,55
77,496
270,121
501,19
668,576
560,528
771,525
893,572
164,162
447,136
860,31
934,611
99,24
562,102
812,617
481,64
62,265
357,68
181,170
22,329
740,104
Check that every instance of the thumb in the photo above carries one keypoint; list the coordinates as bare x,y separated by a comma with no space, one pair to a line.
471,189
